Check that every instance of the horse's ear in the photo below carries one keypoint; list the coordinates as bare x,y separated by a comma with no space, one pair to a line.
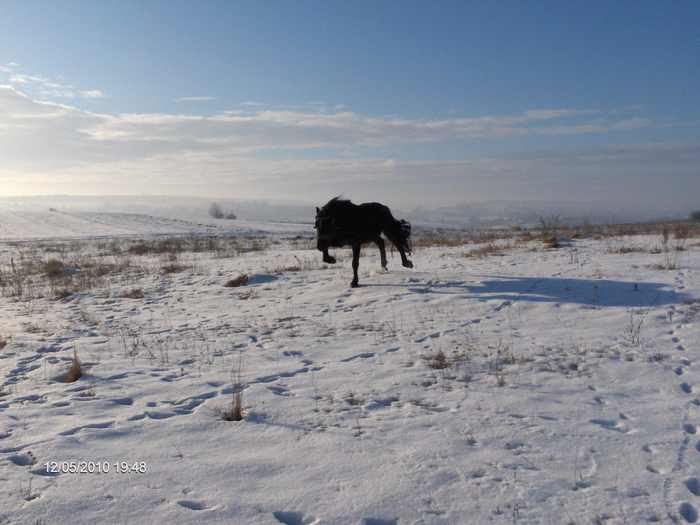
317,210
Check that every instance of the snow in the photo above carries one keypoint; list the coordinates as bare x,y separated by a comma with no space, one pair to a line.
569,392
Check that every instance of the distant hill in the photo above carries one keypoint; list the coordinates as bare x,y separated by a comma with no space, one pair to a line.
251,214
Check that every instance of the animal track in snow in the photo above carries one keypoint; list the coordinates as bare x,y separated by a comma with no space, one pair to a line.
295,518
75,430
363,355
193,505
693,485
688,512
611,424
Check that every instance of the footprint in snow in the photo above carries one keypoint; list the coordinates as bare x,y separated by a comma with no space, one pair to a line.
693,485
193,505
611,424
688,512
295,518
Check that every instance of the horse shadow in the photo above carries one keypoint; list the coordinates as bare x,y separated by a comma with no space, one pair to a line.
587,292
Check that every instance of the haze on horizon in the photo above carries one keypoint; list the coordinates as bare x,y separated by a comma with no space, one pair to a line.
405,102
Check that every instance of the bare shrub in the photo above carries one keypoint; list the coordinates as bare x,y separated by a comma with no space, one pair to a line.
54,268
670,250
134,293
3,342
215,211
64,293
138,249
549,230
75,371
17,280
681,232
241,280
633,330
437,361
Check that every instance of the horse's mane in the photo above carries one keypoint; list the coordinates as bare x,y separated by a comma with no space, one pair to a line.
336,203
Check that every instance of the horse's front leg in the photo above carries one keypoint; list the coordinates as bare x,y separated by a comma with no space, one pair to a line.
405,262
355,264
327,258
382,251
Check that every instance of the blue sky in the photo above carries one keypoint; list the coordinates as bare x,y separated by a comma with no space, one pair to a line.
448,101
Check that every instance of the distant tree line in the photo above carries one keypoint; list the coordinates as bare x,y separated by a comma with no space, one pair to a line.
217,212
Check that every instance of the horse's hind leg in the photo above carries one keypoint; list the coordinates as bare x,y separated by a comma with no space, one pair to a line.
355,264
382,251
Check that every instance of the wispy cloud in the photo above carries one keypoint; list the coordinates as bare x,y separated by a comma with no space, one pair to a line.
270,129
47,87
194,99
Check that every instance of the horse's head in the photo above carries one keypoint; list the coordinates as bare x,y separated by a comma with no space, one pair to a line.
326,229
324,224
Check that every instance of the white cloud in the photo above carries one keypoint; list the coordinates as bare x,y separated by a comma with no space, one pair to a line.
46,146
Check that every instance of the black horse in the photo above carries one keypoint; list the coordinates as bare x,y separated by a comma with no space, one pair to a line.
341,223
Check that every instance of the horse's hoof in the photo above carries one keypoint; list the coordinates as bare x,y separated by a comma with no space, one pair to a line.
408,264
354,284
330,260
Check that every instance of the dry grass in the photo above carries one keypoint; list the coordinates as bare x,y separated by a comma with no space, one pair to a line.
551,241
288,269
235,411
487,250
624,249
241,280
75,371
64,293
453,238
172,268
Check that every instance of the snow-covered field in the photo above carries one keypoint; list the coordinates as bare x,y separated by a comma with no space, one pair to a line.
22,225
539,386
